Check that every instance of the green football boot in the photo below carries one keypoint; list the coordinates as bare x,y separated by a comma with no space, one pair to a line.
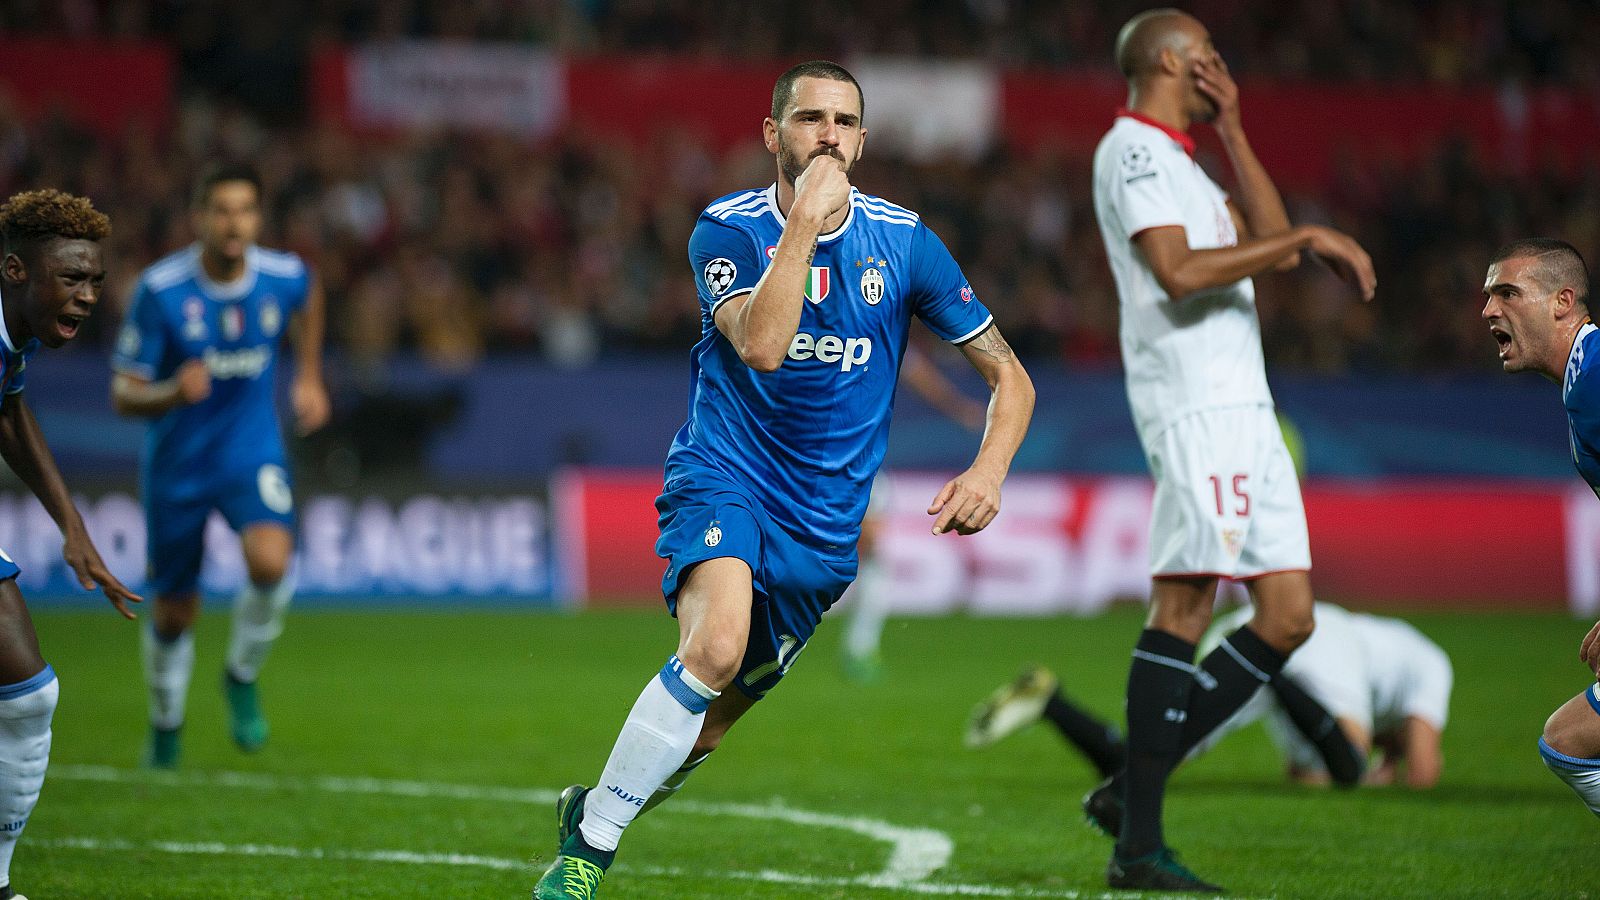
245,722
1158,871
569,812
569,878
163,750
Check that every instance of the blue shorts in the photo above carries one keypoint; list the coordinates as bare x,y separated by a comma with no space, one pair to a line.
704,515
177,525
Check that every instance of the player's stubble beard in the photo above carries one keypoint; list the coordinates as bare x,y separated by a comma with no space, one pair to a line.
790,165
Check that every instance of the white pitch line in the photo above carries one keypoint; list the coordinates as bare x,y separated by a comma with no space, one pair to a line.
410,857
915,854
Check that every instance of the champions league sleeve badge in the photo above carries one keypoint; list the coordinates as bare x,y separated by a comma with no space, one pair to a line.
872,286
719,275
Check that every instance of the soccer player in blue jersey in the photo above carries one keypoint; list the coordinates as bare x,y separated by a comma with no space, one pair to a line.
50,281
1536,301
198,355
807,289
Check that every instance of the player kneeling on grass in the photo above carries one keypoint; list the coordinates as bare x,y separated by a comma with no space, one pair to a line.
50,281
1536,301
807,290
1360,683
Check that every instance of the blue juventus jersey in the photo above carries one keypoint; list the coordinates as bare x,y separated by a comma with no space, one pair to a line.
1580,391
807,439
14,361
179,314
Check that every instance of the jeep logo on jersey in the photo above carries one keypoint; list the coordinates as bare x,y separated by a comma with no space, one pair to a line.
817,284
872,286
247,362
830,348
720,273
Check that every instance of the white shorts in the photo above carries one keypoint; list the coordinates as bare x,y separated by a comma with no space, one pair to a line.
1227,501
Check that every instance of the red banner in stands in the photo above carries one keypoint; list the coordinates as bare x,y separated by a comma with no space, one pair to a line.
102,85
1066,544
1323,135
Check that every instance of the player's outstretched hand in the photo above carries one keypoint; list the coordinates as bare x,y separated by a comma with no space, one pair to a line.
1345,257
822,189
966,504
91,570
1590,651
310,399
194,381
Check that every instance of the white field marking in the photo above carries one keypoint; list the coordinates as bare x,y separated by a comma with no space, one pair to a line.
915,854
409,857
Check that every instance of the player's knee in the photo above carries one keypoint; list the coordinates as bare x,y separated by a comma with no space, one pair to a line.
714,659
267,569
1285,629
173,615
1568,735
37,705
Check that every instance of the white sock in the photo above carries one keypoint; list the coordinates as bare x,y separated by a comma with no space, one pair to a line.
673,783
660,731
1583,775
25,712
167,667
257,621
869,610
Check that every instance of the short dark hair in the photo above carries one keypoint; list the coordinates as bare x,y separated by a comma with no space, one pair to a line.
1559,264
221,174
33,217
783,91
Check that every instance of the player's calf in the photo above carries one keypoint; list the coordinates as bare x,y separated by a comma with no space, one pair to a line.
26,709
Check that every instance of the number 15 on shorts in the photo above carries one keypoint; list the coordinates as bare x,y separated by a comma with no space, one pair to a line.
1240,499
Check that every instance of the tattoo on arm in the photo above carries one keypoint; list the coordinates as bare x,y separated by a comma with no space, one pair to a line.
992,345
812,254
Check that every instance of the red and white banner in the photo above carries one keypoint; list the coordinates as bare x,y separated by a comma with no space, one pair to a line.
1077,544
431,84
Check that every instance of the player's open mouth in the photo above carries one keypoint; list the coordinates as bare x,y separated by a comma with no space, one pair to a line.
1501,338
69,325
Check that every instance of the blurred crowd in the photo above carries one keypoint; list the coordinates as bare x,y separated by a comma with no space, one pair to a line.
1442,40
461,246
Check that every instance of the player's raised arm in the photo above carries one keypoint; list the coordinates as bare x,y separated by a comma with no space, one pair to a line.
762,324
23,447
309,394
1259,212
971,500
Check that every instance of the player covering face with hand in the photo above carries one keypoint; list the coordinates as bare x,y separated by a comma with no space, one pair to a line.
1227,503
807,289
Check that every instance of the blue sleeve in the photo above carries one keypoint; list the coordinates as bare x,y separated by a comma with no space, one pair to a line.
17,378
143,339
940,294
726,263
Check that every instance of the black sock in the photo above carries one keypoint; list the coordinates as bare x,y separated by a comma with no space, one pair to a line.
1345,763
1098,740
1159,683
1226,680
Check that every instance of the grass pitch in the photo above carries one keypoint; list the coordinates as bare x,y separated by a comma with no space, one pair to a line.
415,754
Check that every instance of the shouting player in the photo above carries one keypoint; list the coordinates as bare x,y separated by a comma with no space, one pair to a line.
50,280
1226,500
807,289
1537,305
198,355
